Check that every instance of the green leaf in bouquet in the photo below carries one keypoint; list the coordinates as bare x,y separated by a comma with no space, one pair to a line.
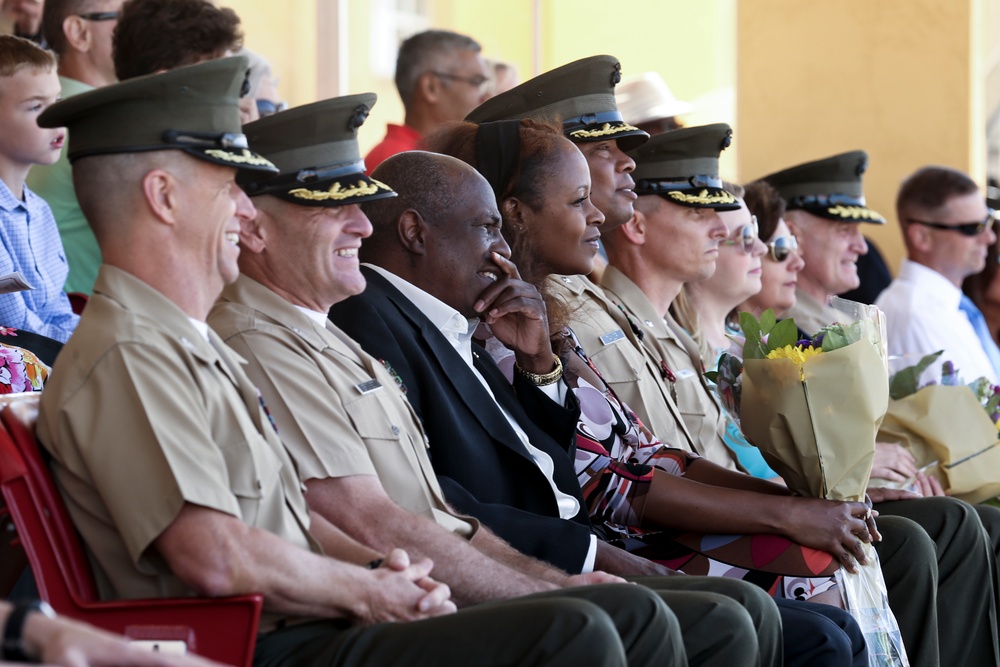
783,333
907,381
712,376
767,321
752,348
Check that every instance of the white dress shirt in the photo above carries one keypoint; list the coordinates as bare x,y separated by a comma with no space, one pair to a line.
458,330
922,316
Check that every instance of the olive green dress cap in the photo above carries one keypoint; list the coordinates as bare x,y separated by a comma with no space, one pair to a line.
829,188
315,148
682,166
194,109
580,95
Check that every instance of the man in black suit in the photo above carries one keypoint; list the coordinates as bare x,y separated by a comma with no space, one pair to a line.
436,264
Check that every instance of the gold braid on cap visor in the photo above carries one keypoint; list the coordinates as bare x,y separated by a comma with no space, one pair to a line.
337,192
854,212
246,157
722,197
605,130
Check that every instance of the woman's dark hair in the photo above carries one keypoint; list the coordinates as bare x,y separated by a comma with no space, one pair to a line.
537,156
764,201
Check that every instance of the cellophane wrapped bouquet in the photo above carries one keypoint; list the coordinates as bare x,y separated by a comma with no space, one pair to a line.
948,425
813,407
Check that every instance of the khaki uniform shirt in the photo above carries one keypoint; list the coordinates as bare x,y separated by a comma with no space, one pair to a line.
611,342
675,355
337,409
143,415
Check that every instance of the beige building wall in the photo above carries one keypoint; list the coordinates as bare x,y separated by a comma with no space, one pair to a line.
903,81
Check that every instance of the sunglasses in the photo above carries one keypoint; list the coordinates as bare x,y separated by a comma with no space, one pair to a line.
780,248
100,16
269,108
744,237
963,228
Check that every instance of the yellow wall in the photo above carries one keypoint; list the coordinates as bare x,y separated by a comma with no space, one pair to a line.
902,81
692,44
284,33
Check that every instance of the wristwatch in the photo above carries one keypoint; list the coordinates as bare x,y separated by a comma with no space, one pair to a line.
13,639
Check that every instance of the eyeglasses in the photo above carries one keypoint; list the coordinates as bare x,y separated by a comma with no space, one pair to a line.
100,16
744,237
963,228
780,248
269,108
479,82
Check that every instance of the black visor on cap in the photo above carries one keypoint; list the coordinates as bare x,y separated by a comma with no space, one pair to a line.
847,208
332,185
696,192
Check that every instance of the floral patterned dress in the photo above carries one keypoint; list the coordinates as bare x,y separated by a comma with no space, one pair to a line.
20,369
615,458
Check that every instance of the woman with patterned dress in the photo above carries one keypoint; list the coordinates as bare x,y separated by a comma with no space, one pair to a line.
653,500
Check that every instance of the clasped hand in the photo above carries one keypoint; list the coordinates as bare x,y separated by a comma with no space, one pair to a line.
838,528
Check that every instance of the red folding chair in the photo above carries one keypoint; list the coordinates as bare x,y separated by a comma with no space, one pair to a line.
223,629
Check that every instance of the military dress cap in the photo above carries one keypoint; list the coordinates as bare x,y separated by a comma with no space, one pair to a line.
682,166
580,95
315,148
194,109
829,188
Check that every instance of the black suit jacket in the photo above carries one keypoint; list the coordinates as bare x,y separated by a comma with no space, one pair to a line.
482,466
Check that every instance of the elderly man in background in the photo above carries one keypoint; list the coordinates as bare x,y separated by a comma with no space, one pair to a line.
440,76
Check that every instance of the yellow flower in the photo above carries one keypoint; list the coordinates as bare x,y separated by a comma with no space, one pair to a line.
797,354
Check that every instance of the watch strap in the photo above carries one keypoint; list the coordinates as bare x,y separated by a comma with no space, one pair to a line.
13,632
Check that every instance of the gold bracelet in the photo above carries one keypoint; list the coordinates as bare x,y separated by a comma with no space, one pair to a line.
543,380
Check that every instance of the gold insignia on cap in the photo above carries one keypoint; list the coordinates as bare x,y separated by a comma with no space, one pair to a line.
246,157
338,192
605,130
854,212
703,197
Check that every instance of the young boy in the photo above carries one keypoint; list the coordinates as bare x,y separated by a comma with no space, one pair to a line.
29,239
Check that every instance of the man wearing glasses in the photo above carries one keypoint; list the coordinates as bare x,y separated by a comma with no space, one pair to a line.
947,229
441,76
79,32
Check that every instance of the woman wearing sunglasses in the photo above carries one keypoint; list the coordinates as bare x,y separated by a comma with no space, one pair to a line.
705,308
781,265
653,500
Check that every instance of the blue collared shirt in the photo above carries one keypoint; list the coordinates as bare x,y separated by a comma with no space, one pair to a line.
31,245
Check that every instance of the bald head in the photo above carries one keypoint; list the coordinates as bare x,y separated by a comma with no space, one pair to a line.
425,182
440,232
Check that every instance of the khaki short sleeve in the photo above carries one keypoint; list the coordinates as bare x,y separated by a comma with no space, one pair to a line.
155,449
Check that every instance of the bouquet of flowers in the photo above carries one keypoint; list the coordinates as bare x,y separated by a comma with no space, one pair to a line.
813,407
950,427
791,396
